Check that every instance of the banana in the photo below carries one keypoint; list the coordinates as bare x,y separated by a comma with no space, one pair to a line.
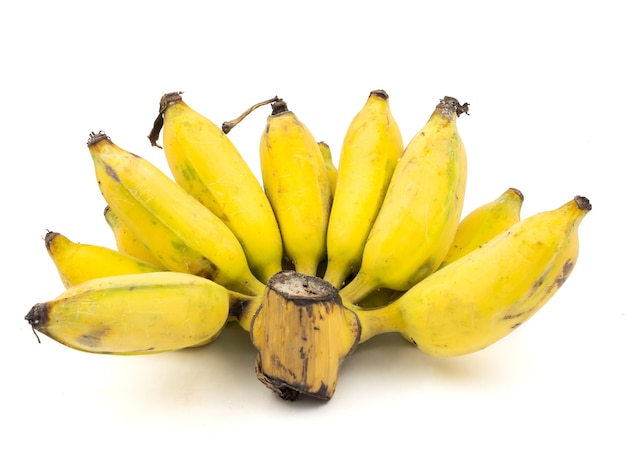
137,313
184,235
370,152
485,295
126,241
484,223
206,163
78,262
331,170
420,213
297,186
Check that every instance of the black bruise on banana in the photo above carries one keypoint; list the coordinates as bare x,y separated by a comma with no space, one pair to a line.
93,340
111,172
210,271
238,307
568,266
567,269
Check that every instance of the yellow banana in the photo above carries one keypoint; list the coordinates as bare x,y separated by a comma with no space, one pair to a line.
184,235
331,170
419,216
137,313
206,163
484,223
371,148
483,296
126,241
298,187
78,262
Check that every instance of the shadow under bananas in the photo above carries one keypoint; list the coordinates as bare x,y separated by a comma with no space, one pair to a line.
197,383
389,361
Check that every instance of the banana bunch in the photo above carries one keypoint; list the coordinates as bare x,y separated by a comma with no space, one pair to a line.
312,259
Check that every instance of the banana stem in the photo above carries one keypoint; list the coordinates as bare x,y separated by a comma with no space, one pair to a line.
166,101
228,125
376,321
357,289
302,334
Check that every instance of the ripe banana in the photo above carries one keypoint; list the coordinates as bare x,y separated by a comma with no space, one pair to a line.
206,163
483,296
331,170
297,186
78,262
370,152
484,223
419,216
126,241
184,235
137,313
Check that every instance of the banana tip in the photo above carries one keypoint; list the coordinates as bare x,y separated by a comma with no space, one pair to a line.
169,99
37,317
450,105
519,194
380,93
583,203
95,137
48,238
278,107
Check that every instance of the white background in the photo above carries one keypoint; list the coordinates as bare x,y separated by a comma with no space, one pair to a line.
545,81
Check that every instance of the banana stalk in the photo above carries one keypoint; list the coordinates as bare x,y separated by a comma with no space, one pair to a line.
302,334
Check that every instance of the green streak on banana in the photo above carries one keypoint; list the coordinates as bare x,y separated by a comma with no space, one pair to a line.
419,216
78,262
182,234
297,186
485,295
331,170
126,241
370,152
206,163
484,223
135,313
